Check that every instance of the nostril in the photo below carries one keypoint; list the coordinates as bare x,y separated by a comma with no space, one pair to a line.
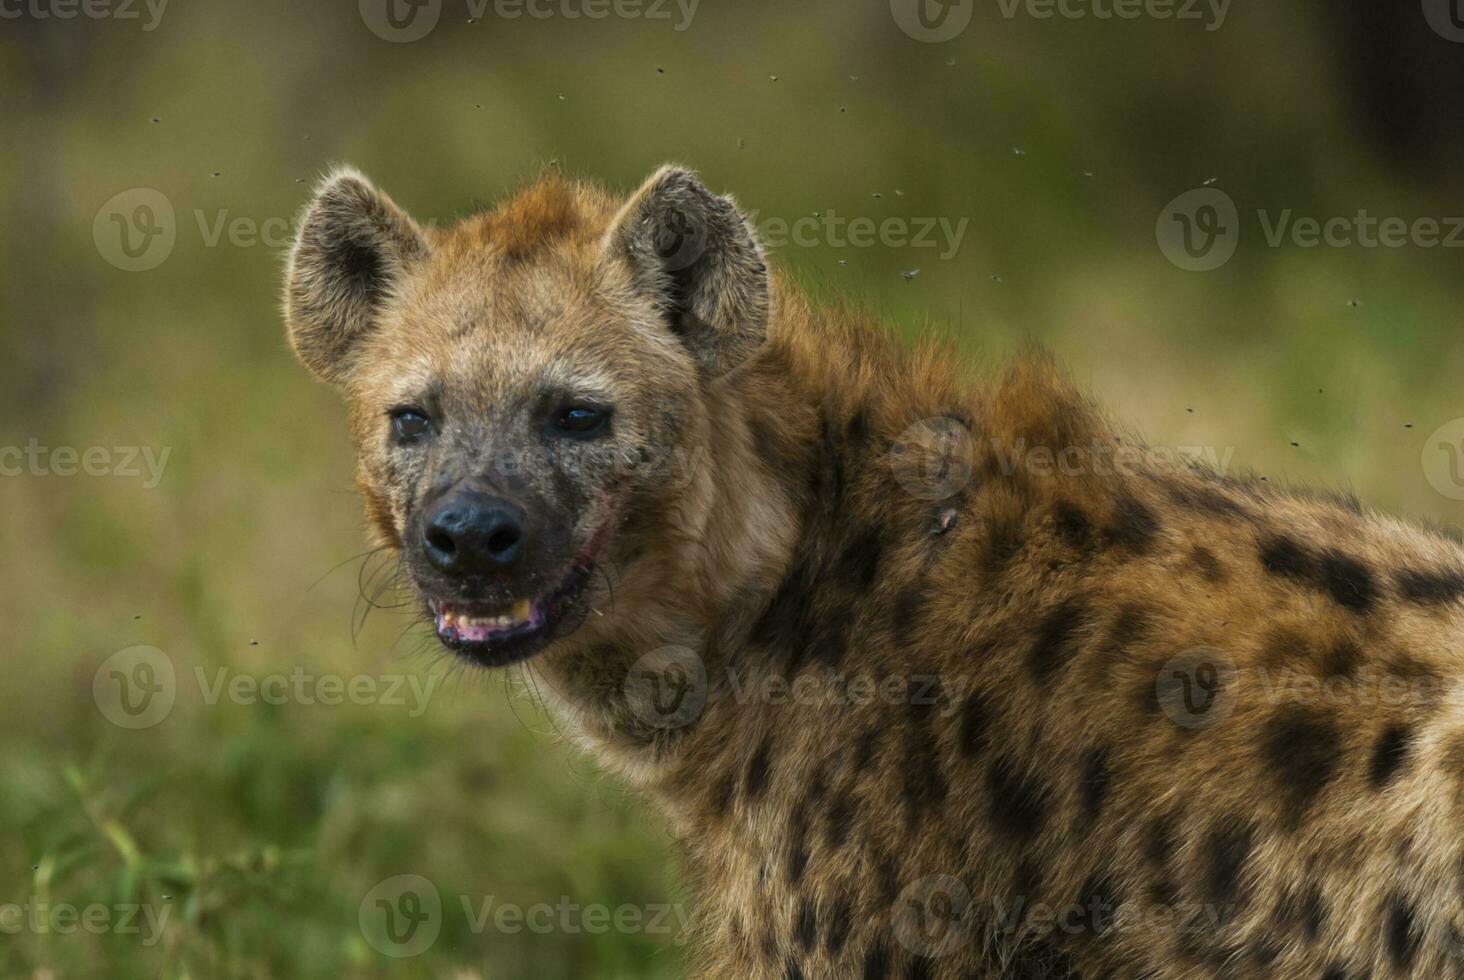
502,538
440,541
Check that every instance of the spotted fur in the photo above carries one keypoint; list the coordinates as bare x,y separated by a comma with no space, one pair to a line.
1128,720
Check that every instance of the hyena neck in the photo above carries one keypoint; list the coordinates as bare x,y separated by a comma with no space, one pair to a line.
650,680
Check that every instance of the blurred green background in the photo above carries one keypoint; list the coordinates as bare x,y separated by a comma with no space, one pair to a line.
256,831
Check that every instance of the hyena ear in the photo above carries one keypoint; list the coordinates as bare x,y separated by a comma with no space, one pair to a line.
351,250
696,255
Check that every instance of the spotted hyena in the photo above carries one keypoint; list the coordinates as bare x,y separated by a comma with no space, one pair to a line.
932,675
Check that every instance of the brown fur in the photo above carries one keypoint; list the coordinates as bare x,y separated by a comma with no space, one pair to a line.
1033,632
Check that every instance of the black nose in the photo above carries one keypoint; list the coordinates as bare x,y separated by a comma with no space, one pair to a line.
470,533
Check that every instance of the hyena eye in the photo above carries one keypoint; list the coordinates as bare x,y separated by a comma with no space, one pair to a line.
581,421
410,425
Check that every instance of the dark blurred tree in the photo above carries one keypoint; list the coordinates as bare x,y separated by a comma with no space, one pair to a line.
1402,81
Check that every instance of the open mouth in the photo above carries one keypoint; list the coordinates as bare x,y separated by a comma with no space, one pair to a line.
496,636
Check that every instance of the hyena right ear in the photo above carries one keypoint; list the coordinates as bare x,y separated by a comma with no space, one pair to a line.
351,250
696,255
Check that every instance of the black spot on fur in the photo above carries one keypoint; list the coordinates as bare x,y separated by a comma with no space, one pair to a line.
1004,539
830,641
1093,785
1281,555
1285,647
1423,685
1027,881
1134,526
722,795
792,971
1161,840
865,750
1342,660
1345,579
889,879
1056,640
1403,934
858,564
755,782
805,927
1348,582
924,782
918,969
841,815
784,625
907,609
1225,852
1132,624
1072,524
1096,905
1207,564
1303,749
975,717
837,926
797,845
1313,912
857,431
1018,802
1389,754
1429,587
1206,500
876,962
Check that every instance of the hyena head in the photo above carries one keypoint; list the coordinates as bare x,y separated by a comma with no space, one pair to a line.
528,386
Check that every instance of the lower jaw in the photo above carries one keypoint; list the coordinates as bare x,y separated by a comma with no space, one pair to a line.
501,646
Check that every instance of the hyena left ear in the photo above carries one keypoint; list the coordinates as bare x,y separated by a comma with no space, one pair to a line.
353,247
695,254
